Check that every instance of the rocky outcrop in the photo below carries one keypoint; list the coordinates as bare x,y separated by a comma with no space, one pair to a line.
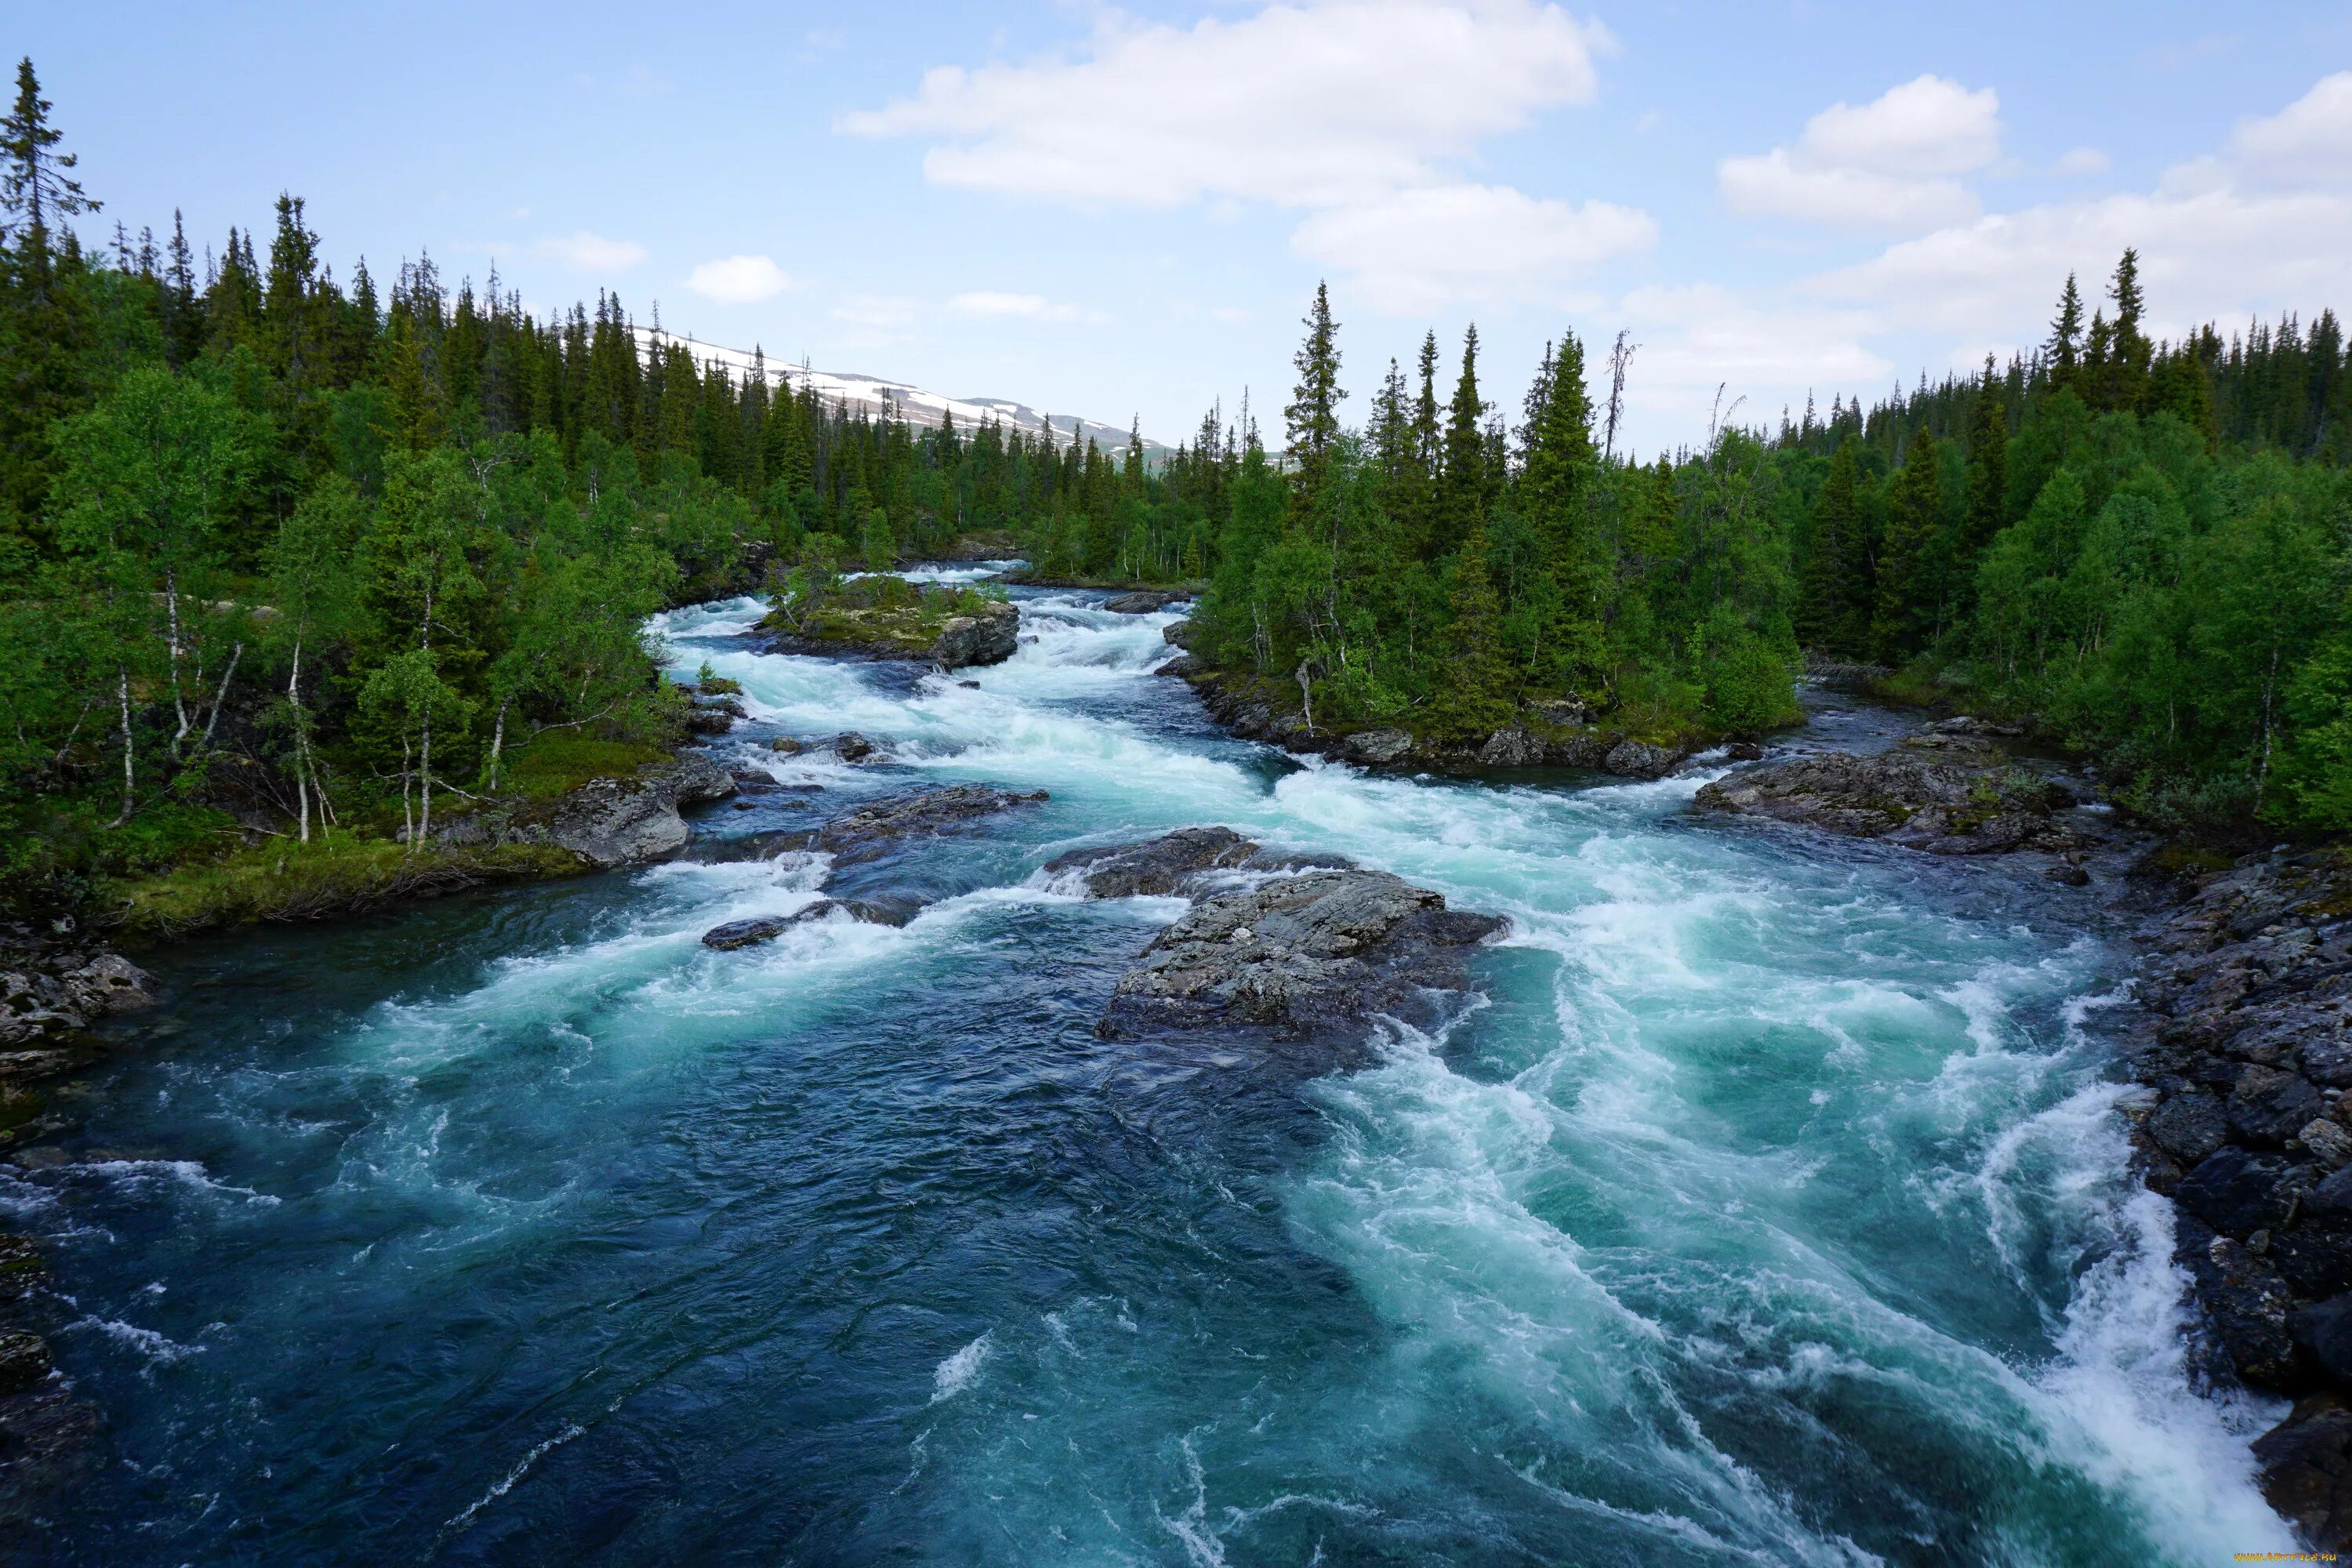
619,822
1306,955
767,928
1143,600
1955,797
870,830
1162,866
1264,710
2243,1121
48,990
988,637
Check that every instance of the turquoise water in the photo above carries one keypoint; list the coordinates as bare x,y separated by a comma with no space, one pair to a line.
1772,1210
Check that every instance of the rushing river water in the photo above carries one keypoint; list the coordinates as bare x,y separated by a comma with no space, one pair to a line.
1772,1212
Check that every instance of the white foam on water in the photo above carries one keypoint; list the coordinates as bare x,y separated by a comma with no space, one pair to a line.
956,1373
506,1483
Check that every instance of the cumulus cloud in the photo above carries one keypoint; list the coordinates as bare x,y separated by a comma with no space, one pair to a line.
1415,249
1028,307
1360,111
1302,105
1889,165
737,279
1697,338
2309,142
587,252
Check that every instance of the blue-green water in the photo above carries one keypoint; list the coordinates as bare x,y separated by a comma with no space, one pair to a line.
1772,1212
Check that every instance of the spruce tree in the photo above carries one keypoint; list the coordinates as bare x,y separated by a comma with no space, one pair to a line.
2065,348
1461,481
1908,589
1834,577
1312,415
1988,471
1476,699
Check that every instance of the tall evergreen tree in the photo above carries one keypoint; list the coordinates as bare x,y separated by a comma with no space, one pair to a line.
1312,415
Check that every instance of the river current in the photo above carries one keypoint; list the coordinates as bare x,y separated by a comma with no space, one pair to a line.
1772,1210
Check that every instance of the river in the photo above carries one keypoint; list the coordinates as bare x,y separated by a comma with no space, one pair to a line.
1772,1210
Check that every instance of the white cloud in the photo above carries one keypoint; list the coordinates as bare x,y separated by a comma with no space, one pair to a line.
1299,104
1697,338
2308,141
1887,166
737,279
587,252
1415,249
874,311
1029,307
2084,161
1361,112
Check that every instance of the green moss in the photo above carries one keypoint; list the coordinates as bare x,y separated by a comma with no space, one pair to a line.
338,874
563,760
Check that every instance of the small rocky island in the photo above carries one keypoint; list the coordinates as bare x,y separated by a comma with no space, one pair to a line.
889,618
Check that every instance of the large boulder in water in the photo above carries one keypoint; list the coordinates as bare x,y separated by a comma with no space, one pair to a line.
632,821
766,928
1300,954
1160,866
986,636
869,831
1960,804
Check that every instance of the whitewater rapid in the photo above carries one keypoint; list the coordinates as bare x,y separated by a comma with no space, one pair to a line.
1772,1208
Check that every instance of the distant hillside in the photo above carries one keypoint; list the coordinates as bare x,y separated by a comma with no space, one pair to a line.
907,402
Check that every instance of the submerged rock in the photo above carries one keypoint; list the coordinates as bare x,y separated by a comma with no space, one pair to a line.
1159,865
1143,600
766,928
1944,806
1301,954
870,829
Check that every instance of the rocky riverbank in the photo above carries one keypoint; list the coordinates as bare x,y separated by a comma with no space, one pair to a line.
2242,1119
2240,1113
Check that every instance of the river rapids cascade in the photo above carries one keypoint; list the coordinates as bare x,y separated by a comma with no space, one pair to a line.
1765,1204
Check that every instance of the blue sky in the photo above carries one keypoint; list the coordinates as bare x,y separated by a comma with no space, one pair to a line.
1125,211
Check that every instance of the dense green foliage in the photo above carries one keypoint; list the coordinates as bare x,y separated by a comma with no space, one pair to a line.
2144,547
279,553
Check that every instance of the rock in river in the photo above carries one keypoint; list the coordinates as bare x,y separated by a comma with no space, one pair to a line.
765,928
1944,805
869,830
1301,954
987,637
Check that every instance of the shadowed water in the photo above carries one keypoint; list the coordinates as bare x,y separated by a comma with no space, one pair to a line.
1772,1211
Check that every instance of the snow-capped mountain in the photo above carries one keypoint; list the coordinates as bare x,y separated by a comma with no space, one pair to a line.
875,394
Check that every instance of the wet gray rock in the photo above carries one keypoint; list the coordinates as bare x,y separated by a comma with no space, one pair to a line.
2269,1105
1640,759
2190,1126
1302,954
2246,1304
787,746
2238,1192
2306,1470
48,990
634,821
852,747
1943,806
870,830
2325,1329
1162,866
767,928
1511,748
1143,600
1377,748
23,1361
988,636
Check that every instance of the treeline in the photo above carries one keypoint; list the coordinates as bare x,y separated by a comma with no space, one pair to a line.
282,554
2140,546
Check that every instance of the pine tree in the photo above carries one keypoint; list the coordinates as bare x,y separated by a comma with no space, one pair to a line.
1988,472
1476,698
2065,348
1312,415
1908,589
1461,481
1835,576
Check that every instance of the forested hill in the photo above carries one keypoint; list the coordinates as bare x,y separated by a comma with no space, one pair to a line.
288,554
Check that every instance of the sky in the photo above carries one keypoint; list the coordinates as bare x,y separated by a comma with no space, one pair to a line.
1124,212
